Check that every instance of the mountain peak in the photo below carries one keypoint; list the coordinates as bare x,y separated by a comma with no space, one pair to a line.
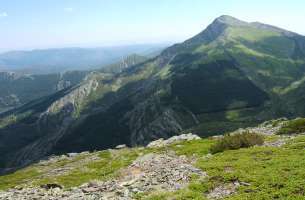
216,28
229,20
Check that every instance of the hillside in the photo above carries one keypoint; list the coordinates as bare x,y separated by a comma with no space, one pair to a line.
18,89
233,74
125,63
181,167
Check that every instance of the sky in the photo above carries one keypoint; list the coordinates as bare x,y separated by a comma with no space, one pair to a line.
30,24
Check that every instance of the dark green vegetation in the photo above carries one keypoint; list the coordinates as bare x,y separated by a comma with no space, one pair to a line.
293,127
237,141
16,89
233,74
229,92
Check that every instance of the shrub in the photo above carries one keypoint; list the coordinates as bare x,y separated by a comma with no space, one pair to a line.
237,141
294,126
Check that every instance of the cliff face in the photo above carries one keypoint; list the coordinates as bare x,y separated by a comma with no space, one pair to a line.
18,89
47,127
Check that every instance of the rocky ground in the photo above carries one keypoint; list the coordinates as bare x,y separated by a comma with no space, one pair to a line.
184,137
149,172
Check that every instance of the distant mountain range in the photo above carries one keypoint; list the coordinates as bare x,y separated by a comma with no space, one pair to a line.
60,60
233,74
17,89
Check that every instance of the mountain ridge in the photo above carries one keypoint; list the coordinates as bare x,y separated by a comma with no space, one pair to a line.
227,76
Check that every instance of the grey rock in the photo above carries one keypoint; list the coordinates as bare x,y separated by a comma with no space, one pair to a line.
150,172
223,191
122,146
71,155
184,137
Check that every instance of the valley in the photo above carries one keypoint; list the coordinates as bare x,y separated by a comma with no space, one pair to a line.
208,84
120,130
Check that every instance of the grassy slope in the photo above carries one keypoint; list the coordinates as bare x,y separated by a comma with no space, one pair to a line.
266,58
82,169
274,173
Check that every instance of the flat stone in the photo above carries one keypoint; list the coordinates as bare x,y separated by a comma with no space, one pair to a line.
122,146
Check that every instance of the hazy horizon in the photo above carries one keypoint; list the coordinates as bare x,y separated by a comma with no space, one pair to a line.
82,46
35,24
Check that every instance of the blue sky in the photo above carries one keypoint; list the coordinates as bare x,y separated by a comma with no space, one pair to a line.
27,24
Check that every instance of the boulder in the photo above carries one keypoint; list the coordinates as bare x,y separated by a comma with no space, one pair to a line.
179,138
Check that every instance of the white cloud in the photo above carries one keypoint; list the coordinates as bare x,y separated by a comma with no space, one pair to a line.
3,14
69,9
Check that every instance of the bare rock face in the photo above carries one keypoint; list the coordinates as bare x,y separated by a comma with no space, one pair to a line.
151,120
53,123
75,98
62,84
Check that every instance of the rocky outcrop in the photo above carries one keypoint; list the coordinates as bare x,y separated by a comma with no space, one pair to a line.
74,98
148,173
62,84
175,139
53,124
225,190
151,172
266,128
151,120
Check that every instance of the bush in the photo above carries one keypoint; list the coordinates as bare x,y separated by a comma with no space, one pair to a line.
293,127
237,141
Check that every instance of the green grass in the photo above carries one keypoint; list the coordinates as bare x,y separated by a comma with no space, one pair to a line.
195,147
18,178
293,127
105,168
273,173
81,169
251,34
297,143
265,41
